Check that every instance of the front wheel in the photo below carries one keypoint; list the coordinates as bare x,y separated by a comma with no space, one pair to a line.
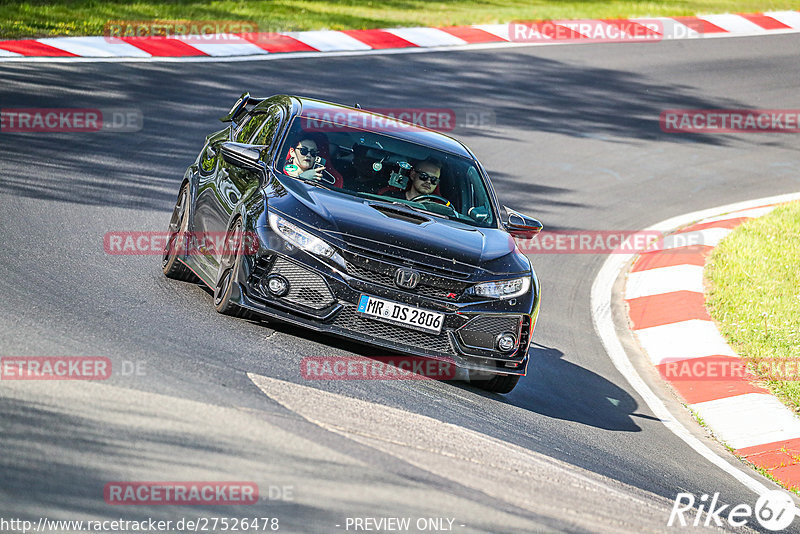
229,265
495,384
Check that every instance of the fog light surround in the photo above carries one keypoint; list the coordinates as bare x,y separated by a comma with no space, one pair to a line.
505,342
277,285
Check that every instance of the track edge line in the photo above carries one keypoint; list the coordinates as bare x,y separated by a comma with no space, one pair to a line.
603,321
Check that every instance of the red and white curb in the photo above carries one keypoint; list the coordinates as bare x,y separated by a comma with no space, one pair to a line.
604,292
667,312
278,44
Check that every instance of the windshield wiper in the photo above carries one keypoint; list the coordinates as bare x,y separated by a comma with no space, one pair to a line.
388,200
419,210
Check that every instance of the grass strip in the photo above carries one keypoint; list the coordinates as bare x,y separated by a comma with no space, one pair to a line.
753,294
40,18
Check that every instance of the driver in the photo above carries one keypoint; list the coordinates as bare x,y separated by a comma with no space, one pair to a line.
423,179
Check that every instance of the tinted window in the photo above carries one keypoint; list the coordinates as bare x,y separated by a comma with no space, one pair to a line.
268,128
249,127
377,165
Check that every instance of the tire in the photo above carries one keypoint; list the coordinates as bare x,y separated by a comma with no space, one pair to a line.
230,263
171,266
495,384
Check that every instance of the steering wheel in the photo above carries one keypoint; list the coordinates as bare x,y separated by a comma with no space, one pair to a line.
435,198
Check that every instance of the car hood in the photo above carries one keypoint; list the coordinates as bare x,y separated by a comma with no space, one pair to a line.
386,228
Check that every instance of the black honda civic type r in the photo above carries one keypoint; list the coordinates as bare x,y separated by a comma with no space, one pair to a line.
361,226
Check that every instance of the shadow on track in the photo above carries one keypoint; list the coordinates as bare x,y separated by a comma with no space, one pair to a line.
553,386
61,436
181,102
559,389
41,469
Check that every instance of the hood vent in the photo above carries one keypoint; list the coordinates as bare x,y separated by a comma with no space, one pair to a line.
399,213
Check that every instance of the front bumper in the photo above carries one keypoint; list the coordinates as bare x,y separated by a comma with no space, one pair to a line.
324,297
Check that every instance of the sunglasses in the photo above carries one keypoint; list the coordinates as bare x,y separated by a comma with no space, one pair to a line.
305,151
425,177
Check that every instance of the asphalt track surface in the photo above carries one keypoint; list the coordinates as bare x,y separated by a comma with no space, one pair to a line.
576,143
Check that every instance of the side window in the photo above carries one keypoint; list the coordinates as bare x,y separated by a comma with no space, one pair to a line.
480,206
249,127
271,126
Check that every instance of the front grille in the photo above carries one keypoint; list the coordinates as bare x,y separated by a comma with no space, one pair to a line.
348,319
458,271
382,273
370,276
306,288
481,331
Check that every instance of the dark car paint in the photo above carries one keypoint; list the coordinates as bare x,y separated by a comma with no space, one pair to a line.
445,240
226,192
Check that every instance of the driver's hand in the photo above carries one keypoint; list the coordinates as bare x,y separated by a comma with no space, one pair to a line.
312,174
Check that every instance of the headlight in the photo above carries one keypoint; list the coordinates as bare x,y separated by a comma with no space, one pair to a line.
299,237
506,289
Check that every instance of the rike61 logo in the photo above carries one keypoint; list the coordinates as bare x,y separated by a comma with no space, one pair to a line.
774,510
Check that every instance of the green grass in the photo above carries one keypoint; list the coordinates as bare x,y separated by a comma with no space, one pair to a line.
754,292
40,18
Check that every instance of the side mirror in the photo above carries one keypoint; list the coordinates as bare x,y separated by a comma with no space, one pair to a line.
242,155
521,226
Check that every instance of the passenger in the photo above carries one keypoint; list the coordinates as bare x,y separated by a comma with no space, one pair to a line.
301,160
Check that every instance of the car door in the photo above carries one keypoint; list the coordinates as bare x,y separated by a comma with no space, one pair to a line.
233,184
205,205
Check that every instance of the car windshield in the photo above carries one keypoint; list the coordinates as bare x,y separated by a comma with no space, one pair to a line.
373,165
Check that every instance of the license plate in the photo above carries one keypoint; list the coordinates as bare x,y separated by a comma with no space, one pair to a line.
400,314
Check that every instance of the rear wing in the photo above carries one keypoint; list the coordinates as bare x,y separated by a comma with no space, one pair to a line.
240,106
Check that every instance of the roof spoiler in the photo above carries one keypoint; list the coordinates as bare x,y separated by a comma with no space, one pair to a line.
240,106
